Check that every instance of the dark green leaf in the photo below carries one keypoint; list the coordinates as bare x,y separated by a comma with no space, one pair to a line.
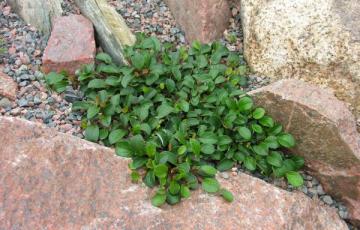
245,104
250,163
245,133
97,84
274,159
294,178
267,121
210,185
258,113
92,111
184,191
161,170
92,133
164,110
208,138
116,135
286,140
228,196
225,164
123,149
158,199
104,57
208,170
207,149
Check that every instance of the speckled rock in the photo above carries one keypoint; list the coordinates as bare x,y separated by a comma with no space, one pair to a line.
39,13
112,31
326,135
51,180
202,20
8,87
318,41
71,45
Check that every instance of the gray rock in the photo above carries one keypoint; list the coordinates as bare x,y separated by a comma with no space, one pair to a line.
111,29
5,103
327,199
22,102
37,100
320,190
343,214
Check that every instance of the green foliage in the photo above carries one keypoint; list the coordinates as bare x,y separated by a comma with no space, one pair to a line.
181,116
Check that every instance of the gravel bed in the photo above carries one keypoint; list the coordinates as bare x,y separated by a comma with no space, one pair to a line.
22,62
36,103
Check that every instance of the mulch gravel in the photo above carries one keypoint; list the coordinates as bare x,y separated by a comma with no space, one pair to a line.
36,103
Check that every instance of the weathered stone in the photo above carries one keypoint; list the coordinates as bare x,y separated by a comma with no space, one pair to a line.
112,31
326,135
8,87
71,45
39,13
51,180
317,41
202,20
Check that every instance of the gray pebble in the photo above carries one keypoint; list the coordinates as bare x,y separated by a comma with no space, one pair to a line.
22,102
224,175
320,190
37,100
327,199
5,103
343,214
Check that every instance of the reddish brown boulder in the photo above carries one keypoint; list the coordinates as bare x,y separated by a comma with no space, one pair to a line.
50,180
71,45
326,135
202,20
8,87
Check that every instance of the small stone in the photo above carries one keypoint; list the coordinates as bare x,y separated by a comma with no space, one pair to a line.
15,111
22,102
224,175
343,214
320,190
327,199
5,103
304,189
312,191
37,100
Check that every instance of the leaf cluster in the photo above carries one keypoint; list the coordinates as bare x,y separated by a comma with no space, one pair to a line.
181,116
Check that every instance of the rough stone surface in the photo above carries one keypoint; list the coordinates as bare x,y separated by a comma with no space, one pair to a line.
318,41
51,180
203,20
326,135
71,45
39,13
112,31
8,88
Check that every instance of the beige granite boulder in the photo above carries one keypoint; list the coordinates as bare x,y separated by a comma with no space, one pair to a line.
202,20
38,13
112,32
325,132
51,180
318,41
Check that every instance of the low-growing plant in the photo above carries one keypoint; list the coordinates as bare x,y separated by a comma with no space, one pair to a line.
181,116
